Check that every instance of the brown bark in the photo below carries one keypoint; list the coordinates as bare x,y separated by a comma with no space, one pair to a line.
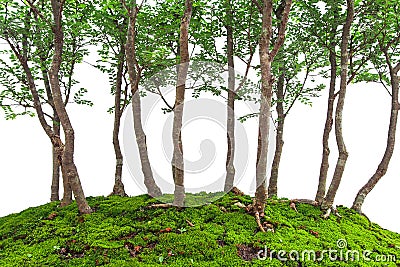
177,158
56,157
52,133
273,181
69,169
266,58
118,188
383,165
55,181
230,122
343,154
323,173
56,152
134,78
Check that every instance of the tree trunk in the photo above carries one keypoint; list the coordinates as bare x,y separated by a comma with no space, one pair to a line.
230,122
266,58
134,78
69,169
177,158
383,165
55,181
152,188
273,181
118,188
341,162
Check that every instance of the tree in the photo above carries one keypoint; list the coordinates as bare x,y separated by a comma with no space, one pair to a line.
238,23
134,72
386,61
68,165
111,24
295,59
177,158
240,26
266,58
30,60
327,202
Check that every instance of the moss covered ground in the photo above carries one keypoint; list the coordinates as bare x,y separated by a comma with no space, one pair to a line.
123,231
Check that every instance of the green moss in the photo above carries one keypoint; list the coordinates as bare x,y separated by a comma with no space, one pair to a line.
124,232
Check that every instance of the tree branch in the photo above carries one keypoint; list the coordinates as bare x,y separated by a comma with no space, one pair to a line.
282,29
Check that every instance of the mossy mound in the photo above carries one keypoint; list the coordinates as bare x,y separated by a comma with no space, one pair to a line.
125,232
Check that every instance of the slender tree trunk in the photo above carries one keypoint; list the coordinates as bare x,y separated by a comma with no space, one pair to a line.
323,173
55,181
230,122
134,78
69,169
118,188
177,158
383,165
343,154
152,188
273,181
266,58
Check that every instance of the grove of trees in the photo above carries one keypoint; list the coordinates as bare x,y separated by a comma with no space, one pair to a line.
287,43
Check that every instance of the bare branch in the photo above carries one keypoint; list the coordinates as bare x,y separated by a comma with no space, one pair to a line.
257,4
282,29
36,11
396,69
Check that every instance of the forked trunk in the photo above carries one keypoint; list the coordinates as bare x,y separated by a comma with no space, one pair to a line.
341,162
56,156
323,173
383,165
69,169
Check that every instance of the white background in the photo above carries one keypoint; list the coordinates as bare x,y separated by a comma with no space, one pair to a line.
25,158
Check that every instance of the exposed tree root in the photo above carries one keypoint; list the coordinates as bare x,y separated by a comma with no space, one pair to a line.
161,205
257,215
237,191
293,206
305,201
328,212
300,201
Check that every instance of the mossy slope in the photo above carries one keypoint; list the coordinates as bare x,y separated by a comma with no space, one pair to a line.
124,232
